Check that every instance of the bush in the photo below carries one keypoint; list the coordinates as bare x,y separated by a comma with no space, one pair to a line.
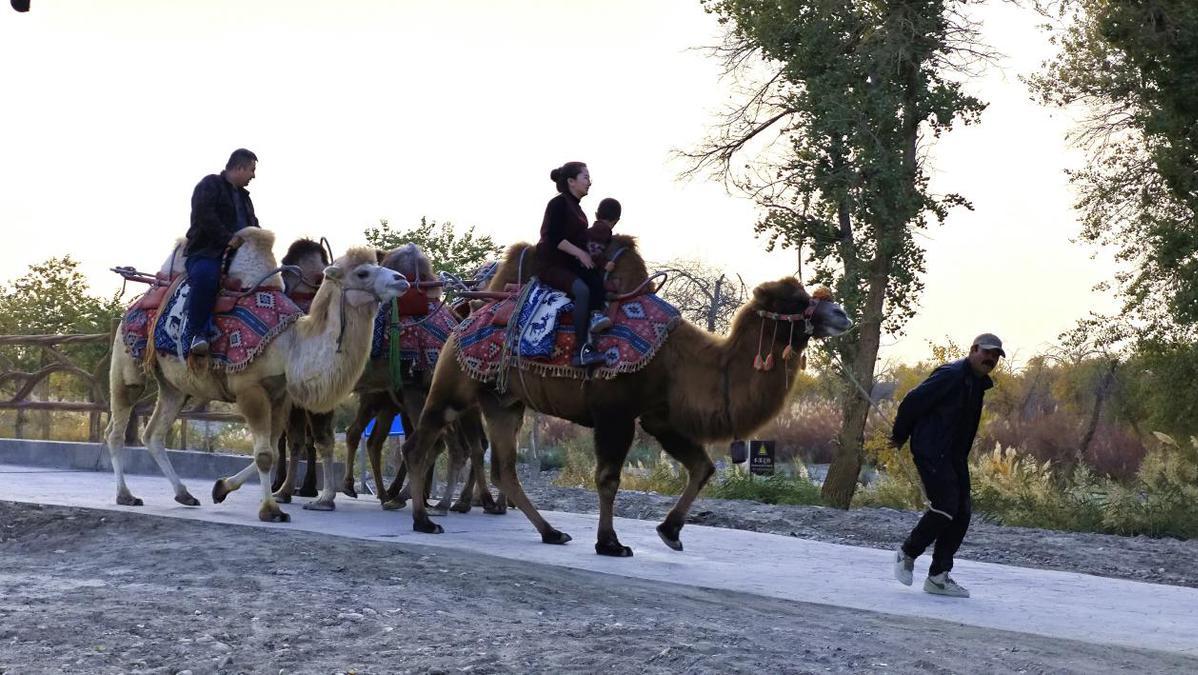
776,489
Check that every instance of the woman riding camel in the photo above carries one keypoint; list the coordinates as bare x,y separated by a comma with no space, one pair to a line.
565,264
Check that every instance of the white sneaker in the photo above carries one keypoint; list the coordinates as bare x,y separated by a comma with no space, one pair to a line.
599,322
904,568
943,584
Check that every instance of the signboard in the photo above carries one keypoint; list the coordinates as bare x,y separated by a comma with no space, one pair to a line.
739,452
761,458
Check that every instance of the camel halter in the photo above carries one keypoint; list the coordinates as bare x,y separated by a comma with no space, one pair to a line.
766,363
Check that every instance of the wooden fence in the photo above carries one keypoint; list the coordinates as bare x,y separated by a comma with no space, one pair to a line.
95,379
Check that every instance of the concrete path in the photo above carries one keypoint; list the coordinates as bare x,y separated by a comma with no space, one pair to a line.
1053,604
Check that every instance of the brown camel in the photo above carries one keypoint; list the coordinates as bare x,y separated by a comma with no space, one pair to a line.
379,400
698,388
301,286
314,363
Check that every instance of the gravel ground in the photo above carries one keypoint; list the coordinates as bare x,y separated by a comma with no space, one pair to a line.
85,591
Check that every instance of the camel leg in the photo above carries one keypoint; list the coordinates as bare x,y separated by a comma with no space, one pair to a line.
399,491
170,403
279,475
297,423
699,470
321,426
122,397
503,424
353,436
456,459
265,420
387,496
613,437
308,489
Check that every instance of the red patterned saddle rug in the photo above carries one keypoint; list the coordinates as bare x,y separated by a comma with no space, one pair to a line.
421,338
244,325
641,326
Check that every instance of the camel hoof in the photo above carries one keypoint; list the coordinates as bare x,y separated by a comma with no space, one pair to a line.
460,507
552,536
614,549
495,509
219,491
128,500
282,497
669,535
427,527
185,499
349,491
394,504
274,517
320,506
439,510
308,492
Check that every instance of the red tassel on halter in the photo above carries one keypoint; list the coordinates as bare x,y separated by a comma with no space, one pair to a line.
758,364
769,362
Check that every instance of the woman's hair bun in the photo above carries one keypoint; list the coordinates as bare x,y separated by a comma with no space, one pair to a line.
555,175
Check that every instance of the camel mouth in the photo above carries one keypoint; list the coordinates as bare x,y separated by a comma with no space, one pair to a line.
398,286
831,320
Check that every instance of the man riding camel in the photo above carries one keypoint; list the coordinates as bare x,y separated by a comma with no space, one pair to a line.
220,206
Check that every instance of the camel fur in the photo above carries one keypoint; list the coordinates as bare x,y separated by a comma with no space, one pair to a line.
699,388
314,364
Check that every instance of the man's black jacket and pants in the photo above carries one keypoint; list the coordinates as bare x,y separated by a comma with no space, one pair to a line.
218,210
940,417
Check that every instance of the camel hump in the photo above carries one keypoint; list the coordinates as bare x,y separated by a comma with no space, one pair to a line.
251,265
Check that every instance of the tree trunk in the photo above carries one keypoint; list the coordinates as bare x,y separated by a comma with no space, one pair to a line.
841,481
714,309
1100,396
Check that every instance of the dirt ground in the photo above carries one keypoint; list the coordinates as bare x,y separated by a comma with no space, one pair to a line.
86,591
1160,561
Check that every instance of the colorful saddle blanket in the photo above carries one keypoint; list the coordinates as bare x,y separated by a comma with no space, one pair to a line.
421,338
241,332
641,326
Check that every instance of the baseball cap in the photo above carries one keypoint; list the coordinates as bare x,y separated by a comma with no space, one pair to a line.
989,341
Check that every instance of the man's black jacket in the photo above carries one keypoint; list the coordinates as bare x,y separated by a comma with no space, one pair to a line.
941,415
214,216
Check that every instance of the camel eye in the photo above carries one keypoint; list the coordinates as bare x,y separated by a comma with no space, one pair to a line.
362,274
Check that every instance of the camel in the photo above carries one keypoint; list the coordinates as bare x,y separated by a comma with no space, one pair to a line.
314,363
698,388
302,426
379,400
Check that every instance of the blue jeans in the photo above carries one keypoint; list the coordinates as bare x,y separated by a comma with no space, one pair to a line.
203,274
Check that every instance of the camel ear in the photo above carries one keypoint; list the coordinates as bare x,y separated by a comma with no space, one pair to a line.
767,295
333,272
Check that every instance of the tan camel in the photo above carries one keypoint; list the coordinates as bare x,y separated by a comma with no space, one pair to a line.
315,364
698,388
378,400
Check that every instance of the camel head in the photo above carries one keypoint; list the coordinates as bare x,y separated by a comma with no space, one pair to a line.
362,280
629,269
311,259
812,315
411,262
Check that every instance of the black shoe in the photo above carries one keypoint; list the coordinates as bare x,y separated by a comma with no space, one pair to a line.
588,356
199,347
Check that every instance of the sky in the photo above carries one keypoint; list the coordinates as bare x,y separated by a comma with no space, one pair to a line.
457,110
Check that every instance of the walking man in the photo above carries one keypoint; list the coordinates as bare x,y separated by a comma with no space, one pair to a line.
940,417
220,206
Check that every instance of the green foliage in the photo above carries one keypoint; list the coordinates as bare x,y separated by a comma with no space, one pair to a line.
858,83
1013,488
53,297
776,489
1129,66
449,250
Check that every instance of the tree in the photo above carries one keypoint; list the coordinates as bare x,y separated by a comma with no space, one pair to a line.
53,297
445,247
704,295
1129,66
827,142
